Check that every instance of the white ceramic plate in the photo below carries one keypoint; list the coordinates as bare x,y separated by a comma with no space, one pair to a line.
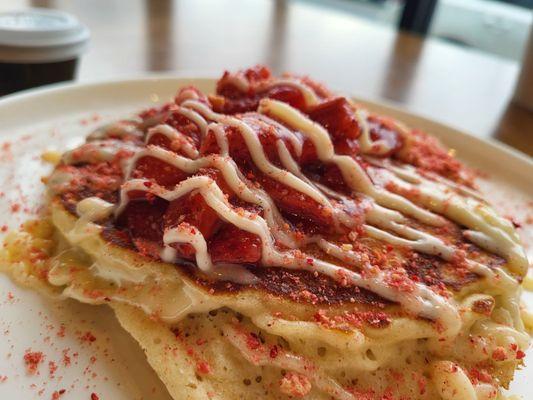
113,366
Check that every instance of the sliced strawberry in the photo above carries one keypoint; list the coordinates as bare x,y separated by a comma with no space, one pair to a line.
287,94
237,145
209,145
185,250
308,155
194,210
216,175
160,140
257,73
234,105
233,245
155,112
329,175
294,202
253,76
141,195
161,172
238,148
180,144
321,90
268,136
184,125
348,147
338,118
384,129
190,92
234,101
144,219
333,178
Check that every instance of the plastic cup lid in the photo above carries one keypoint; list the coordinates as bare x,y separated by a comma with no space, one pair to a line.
39,34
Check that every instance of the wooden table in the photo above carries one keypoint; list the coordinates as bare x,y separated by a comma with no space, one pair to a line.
464,88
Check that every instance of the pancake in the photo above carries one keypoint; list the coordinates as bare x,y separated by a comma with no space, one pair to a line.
276,240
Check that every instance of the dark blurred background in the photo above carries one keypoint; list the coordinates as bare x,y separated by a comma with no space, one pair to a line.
456,61
499,27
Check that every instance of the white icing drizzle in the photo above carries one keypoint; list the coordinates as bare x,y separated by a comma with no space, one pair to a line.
309,95
341,216
97,151
295,138
194,117
232,177
420,301
487,229
239,81
465,211
258,155
409,174
384,220
352,172
384,217
220,136
89,210
178,139
185,233
93,208
118,129
366,144
485,242
59,181
186,94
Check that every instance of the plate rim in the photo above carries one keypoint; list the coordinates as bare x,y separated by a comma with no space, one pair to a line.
70,87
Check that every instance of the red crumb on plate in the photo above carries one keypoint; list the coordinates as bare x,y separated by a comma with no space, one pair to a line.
52,368
33,359
61,331
57,394
88,337
66,357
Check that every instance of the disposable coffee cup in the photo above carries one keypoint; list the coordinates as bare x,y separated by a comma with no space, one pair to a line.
38,47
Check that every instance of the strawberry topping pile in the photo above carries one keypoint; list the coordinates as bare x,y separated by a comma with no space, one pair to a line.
147,217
